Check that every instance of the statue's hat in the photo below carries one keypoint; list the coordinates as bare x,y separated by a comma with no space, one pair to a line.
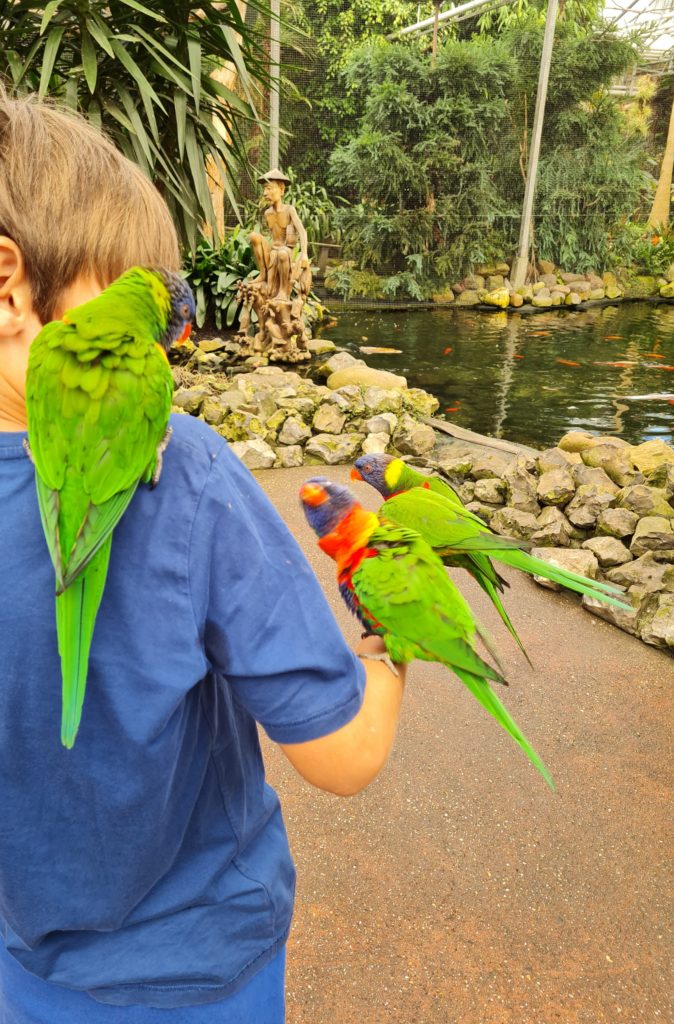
274,175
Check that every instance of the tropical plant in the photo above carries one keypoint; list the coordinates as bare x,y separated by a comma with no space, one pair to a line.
145,72
640,247
214,275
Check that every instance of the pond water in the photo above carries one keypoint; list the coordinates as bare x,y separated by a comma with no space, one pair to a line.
531,378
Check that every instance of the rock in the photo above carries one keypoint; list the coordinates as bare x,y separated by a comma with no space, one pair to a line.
412,437
663,478
490,490
377,400
556,458
527,292
320,347
617,522
494,282
353,396
333,449
499,297
625,620
654,533
598,478
549,280
419,402
304,407
645,501
669,272
616,442
328,419
338,401
366,376
575,441
478,508
650,456
290,455
609,278
657,628
466,491
569,278
612,291
339,361
489,464
384,423
553,535
204,362
645,572
511,522
454,466
474,282
469,297
609,551
213,412
242,426
581,562
589,502
191,399
641,286
444,297
541,298
595,455
294,431
667,290
256,454
572,299
555,487
521,486
232,400
376,442
212,345
546,267
516,300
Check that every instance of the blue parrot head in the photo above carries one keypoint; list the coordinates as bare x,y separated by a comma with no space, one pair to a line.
182,310
381,471
325,504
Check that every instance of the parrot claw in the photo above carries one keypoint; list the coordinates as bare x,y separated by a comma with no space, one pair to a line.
383,658
26,448
161,448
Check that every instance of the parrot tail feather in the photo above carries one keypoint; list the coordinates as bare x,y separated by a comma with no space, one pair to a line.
76,610
482,692
608,593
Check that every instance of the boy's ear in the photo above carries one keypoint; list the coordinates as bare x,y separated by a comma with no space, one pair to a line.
16,300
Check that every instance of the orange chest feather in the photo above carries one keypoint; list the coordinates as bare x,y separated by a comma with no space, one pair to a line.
347,544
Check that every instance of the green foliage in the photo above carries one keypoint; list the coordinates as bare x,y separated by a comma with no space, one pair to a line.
214,274
431,192
644,248
143,72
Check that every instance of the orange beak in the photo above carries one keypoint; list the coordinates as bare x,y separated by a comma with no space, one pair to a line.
313,494
185,335
356,474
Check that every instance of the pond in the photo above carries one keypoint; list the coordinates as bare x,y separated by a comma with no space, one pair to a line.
609,370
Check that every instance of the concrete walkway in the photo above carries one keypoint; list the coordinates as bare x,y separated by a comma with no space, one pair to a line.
458,889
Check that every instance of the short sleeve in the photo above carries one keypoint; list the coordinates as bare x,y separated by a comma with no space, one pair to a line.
265,624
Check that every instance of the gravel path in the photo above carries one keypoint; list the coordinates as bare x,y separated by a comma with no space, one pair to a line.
457,889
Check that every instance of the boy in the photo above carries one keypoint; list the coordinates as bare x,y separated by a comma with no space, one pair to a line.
145,875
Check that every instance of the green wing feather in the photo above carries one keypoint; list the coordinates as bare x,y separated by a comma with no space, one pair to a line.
98,397
406,589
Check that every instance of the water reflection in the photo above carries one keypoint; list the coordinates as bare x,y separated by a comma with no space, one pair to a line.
531,378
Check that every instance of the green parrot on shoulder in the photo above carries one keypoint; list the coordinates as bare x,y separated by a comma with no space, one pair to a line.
98,400
430,506
398,588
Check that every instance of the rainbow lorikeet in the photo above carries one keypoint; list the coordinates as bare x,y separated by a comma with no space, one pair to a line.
98,400
430,506
398,588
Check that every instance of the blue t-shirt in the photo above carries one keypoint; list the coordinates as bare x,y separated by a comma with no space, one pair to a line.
150,864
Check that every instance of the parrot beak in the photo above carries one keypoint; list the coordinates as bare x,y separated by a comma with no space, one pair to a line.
355,474
185,335
312,494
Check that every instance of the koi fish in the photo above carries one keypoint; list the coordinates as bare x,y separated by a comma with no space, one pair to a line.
567,362
540,334
452,408
447,350
518,357
653,355
613,337
374,350
620,365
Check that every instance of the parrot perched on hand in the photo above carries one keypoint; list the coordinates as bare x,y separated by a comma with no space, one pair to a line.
430,506
398,588
98,400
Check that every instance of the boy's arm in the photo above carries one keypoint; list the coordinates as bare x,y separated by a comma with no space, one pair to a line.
347,760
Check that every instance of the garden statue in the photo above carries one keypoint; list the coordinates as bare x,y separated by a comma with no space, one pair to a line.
279,293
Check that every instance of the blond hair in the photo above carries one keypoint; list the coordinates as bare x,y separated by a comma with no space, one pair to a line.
73,203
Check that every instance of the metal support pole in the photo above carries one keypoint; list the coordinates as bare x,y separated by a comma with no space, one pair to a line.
274,81
519,267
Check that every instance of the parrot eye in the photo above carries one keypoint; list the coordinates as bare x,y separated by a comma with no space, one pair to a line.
185,311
